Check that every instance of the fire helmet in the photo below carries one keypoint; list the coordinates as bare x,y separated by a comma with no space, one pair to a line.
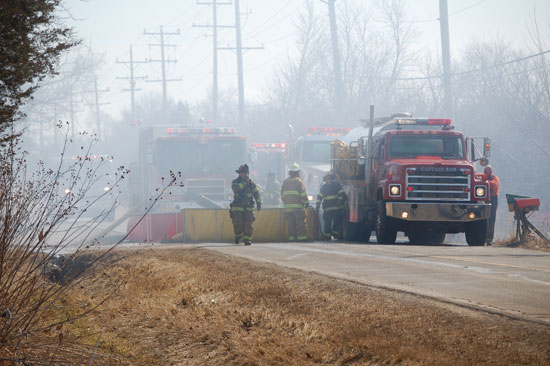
488,170
328,176
294,168
243,169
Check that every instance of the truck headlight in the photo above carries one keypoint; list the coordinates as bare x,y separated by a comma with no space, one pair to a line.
480,191
395,189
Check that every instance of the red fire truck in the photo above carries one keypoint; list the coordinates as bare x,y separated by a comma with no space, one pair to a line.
207,159
312,153
413,175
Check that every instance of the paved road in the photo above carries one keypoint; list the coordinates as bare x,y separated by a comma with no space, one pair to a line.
509,281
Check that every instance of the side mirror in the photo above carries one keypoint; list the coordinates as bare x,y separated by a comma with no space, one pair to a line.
483,161
486,147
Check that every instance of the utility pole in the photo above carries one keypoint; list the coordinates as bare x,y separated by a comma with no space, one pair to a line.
340,97
239,48
446,58
163,62
97,114
214,4
132,78
239,63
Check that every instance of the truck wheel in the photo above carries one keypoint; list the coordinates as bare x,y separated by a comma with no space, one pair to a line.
386,232
437,238
354,231
476,233
350,231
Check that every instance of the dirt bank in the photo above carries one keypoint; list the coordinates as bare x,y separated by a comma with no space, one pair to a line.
197,307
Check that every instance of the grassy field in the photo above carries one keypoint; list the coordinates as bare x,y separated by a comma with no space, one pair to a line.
198,307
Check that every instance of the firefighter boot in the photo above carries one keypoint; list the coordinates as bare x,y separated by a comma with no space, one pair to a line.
247,242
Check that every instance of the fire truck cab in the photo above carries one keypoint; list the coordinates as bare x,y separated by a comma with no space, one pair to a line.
312,153
414,175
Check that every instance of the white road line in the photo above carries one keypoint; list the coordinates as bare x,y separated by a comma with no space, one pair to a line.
408,260
295,256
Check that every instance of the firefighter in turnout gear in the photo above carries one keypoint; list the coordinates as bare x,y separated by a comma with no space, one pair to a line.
294,196
242,207
494,184
333,198
272,192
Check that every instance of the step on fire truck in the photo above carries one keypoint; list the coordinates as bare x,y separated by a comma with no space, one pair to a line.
413,175
207,159
312,153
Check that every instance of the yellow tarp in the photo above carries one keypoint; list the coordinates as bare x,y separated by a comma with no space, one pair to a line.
214,225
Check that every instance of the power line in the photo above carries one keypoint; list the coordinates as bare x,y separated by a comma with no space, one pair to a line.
502,63
479,69
450,15
275,24
467,8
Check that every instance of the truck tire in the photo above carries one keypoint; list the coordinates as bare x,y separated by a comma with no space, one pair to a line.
354,231
350,231
437,238
476,233
386,232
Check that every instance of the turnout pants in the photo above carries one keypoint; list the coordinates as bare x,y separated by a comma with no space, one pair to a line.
492,219
296,219
242,224
333,223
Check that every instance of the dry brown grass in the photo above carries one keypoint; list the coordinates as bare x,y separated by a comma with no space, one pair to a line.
197,307
533,242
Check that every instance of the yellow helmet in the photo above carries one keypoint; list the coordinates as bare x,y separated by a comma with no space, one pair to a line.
294,168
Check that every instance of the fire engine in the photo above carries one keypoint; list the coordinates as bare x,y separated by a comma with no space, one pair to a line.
268,157
312,153
207,159
413,175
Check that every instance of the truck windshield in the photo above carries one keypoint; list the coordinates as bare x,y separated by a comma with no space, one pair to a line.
444,146
316,152
196,158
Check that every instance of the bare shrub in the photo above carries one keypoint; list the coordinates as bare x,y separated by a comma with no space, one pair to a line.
42,241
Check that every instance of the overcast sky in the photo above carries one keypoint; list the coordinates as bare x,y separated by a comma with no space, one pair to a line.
112,26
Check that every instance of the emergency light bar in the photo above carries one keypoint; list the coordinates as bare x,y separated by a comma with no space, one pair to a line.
269,146
327,131
201,131
423,121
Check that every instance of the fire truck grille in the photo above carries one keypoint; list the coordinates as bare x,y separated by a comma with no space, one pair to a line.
438,183
213,189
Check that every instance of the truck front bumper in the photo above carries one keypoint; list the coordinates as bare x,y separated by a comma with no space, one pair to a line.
457,212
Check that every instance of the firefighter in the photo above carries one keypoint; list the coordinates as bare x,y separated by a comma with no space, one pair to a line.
242,207
494,184
333,197
272,191
294,196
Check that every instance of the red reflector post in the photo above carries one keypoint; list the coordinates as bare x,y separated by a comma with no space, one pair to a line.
528,202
